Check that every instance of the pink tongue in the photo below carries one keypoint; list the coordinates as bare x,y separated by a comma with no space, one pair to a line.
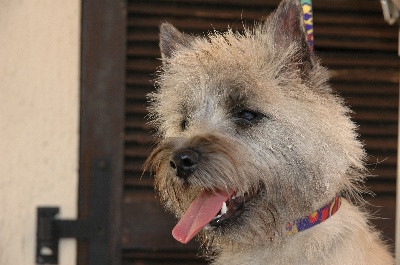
201,211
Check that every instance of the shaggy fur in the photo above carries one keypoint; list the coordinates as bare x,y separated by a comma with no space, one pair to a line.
257,110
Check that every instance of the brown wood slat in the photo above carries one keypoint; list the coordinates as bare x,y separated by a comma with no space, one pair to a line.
373,102
337,5
341,44
136,151
366,89
132,124
375,116
357,31
322,17
376,178
137,109
389,144
138,93
203,12
390,130
135,182
161,258
361,75
140,80
138,138
143,64
190,24
359,60
150,51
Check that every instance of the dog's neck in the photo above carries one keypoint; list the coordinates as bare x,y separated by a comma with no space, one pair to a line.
314,218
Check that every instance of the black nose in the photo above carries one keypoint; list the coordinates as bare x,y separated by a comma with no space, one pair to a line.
184,161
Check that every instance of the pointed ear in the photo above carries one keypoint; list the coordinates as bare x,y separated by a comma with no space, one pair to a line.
171,39
288,27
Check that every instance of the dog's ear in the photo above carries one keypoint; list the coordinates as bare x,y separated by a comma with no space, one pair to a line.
171,39
288,28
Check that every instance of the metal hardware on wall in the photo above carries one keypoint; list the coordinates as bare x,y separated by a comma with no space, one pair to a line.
50,230
95,229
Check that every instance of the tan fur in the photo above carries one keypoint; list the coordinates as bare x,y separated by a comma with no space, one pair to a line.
301,153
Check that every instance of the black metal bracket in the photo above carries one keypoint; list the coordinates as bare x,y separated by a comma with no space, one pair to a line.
50,230
95,229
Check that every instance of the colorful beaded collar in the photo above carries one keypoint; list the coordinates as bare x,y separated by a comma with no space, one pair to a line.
313,219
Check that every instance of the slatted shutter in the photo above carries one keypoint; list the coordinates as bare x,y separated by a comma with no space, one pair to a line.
352,40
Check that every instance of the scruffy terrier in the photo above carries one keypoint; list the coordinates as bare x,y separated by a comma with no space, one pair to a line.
256,154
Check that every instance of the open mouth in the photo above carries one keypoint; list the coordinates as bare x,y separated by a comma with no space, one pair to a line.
214,209
231,209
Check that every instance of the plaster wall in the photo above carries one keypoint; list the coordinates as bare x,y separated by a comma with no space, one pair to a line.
39,121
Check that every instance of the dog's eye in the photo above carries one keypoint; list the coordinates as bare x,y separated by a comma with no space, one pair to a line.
247,115
247,118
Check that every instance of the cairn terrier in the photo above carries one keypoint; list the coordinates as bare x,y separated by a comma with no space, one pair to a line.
256,154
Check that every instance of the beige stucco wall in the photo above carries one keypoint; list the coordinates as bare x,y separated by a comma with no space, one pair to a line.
39,111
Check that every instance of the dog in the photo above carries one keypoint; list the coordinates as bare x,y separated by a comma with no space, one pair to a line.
255,153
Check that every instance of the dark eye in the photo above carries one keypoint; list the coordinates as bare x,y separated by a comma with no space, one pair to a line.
247,115
247,118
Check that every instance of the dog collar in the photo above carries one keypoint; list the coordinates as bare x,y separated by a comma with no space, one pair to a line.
313,219
308,21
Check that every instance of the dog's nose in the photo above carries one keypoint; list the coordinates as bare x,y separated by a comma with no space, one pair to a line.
184,161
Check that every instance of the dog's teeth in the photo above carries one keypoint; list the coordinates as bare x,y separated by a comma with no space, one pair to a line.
218,216
224,209
237,195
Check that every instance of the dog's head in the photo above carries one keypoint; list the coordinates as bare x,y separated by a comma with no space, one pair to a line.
248,119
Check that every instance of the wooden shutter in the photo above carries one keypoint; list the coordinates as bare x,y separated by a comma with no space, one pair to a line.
351,38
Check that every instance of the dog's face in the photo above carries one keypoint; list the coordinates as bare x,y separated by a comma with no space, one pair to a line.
248,119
